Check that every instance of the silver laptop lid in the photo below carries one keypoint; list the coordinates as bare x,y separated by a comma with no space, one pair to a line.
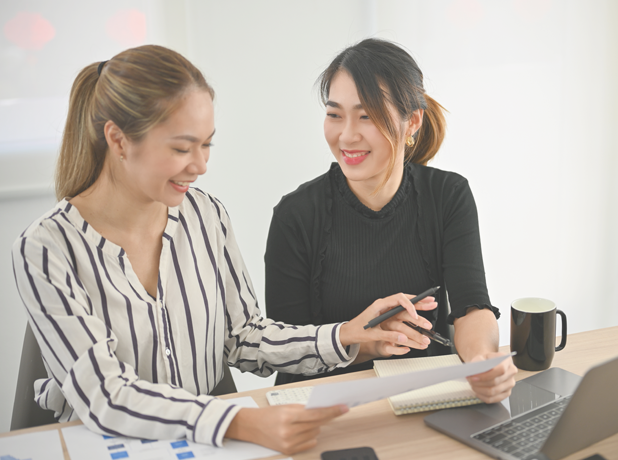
592,413
572,433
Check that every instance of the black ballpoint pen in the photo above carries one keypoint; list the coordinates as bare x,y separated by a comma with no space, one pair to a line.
431,334
399,309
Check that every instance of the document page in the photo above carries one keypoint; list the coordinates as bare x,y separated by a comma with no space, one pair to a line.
83,444
43,445
357,392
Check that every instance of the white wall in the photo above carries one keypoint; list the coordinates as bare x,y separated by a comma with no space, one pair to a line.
529,86
531,91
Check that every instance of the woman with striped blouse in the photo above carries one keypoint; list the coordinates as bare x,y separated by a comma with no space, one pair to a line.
134,285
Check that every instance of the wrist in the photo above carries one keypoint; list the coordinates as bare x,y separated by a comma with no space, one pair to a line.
241,426
345,335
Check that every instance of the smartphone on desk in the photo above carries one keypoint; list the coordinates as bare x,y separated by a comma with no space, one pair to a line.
356,453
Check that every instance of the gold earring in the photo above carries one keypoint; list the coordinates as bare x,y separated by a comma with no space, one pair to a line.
410,141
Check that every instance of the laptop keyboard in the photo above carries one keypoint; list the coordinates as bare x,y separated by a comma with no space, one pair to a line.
524,435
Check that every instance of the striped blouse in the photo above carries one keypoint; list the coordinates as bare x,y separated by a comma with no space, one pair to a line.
125,363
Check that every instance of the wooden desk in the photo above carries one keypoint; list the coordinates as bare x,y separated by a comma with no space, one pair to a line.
402,437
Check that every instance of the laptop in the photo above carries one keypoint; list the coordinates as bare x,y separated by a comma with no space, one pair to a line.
548,416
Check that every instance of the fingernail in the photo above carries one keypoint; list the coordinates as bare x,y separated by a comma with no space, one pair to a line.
402,338
344,408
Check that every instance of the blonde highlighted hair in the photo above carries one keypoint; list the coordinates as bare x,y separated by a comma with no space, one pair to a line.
136,89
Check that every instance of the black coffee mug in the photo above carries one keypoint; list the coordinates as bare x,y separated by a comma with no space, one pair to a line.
533,333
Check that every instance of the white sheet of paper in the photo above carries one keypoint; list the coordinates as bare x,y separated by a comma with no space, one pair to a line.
44,445
357,392
83,444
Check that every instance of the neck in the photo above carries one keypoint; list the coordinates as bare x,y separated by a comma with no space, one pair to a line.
111,209
365,190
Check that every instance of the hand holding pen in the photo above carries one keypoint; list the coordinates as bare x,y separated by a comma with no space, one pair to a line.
427,332
393,337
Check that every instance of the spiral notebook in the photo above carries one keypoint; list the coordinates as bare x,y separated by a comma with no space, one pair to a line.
454,393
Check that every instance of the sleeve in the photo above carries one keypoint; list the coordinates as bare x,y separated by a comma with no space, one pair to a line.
288,274
78,348
263,346
462,264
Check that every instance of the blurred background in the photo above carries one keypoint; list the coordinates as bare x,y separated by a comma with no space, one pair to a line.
530,86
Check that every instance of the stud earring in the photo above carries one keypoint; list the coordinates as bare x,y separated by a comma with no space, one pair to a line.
121,157
410,141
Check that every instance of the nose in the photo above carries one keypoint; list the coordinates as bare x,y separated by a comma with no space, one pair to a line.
198,161
349,133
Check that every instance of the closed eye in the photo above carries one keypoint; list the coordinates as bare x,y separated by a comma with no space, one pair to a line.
332,115
181,151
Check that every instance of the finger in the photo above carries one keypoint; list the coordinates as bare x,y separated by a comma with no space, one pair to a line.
419,320
321,415
404,301
428,303
413,335
493,398
379,335
501,372
415,338
494,394
389,349
419,342
491,382
487,376
508,379
504,367
381,306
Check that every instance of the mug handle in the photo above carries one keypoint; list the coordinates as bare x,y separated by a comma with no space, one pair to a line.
563,339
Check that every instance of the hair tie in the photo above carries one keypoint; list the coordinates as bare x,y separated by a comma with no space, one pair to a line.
100,68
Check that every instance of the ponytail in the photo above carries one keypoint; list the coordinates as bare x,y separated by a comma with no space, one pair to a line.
136,89
431,134
82,152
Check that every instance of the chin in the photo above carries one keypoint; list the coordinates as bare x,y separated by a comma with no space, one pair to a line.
172,202
355,173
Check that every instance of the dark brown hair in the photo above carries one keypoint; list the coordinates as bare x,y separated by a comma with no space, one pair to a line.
136,89
384,73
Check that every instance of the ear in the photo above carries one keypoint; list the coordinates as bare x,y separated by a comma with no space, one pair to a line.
415,122
116,140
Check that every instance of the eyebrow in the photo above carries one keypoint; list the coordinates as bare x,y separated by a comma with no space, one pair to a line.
338,106
188,137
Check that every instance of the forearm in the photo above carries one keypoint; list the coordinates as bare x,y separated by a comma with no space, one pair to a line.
476,333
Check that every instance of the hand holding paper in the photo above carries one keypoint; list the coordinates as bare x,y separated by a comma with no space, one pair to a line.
357,392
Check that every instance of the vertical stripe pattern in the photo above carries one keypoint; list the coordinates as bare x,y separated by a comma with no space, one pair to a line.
126,363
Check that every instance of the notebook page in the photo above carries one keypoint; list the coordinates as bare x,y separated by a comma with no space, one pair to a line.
446,391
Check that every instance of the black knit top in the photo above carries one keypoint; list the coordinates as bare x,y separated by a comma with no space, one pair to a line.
329,257
371,254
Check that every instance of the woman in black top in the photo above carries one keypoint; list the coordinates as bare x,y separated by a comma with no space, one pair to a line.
380,221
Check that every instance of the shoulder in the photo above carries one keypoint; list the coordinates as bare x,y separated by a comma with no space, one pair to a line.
203,205
435,178
308,199
55,231
53,222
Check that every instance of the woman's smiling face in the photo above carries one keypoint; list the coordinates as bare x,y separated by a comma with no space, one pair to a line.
359,147
172,155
